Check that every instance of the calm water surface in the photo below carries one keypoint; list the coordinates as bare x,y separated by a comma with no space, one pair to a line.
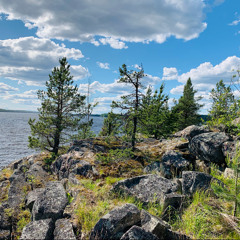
14,132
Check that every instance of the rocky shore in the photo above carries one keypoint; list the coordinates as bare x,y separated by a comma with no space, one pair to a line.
39,200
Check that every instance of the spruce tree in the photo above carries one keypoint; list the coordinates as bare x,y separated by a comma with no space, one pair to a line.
187,107
57,116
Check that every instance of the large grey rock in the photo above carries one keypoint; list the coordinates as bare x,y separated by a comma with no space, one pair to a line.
191,131
173,164
5,235
146,188
114,224
71,164
33,196
154,225
159,227
51,203
138,233
63,230
208,147
38,230
37,174
192,181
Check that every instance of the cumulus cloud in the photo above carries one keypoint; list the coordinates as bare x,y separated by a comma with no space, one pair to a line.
31,59
114,43
208,74
4,88
103,65
113,22
205,76
170,73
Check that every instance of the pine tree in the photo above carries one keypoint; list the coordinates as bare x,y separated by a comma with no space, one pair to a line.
187,107
224,106
130,103
155,114
57,116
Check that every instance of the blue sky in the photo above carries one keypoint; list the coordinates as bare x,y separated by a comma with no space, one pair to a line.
172,39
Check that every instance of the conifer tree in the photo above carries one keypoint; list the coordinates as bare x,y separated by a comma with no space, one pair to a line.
57,116
187,107
130,103
155,114
224,106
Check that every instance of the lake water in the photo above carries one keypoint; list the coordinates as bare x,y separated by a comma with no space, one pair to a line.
14,132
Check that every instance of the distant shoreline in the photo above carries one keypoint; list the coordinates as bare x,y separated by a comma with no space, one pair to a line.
16,111
25,111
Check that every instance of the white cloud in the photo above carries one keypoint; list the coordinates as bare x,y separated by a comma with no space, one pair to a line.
26,98
114,43
115,22
103,65
4,88
170,73
235,22
31,60
209,74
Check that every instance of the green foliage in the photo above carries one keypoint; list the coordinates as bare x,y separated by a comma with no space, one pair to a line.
112,124
130,103
69,197
155,116
224,107
187,107
59,104
115,155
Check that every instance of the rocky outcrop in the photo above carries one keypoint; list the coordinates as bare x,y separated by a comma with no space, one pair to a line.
72,163
159,228
208,147
149,188
114,224
172,164
128,223
191,131
17,183
51,203
138,233
63,230
154,225
42,229
193,181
